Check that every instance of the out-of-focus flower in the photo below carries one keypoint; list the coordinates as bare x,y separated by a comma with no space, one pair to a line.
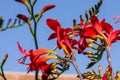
117,77
117,18
38,60
107,74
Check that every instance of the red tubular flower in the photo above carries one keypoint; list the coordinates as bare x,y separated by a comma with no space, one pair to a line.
113,37
105,30
86,32
37,60
62,35
97,26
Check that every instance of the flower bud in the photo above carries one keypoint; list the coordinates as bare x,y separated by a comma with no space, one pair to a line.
24,18
45,8
23,2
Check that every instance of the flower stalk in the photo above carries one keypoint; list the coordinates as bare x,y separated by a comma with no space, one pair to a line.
109,61
34,36
1,67
76,67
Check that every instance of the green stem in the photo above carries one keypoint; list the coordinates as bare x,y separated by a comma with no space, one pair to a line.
2,73
36,45
34,36
109,61
1,66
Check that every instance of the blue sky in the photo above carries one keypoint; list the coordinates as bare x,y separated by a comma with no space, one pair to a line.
65,11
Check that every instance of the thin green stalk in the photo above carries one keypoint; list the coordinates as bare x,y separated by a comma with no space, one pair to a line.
1,66
34,36
36,45
109,61
2,73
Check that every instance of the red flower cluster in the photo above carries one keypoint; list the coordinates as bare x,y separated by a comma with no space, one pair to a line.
88,33
38,60
62,34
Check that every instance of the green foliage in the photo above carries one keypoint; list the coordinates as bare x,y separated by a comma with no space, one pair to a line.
94,10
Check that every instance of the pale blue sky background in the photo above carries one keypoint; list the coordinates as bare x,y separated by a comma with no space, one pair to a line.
65,11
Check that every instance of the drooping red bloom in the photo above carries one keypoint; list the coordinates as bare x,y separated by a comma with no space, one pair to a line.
37,60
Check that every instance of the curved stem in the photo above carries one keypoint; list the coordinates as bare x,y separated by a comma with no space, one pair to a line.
76,68
109,61
2,73
1,67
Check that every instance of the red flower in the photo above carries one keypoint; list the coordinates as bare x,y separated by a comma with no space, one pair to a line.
105,30
88,31
37,60
113,37
62,35
107,74
97,26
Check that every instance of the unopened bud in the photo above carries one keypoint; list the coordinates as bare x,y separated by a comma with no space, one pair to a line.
45,8
23,2
24,18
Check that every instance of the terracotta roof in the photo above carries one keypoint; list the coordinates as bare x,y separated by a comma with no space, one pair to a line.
24,76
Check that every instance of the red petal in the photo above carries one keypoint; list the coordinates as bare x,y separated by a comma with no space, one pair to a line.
106,27
104,77
53,24
89,32
94,19
52,36
113,37
20,49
